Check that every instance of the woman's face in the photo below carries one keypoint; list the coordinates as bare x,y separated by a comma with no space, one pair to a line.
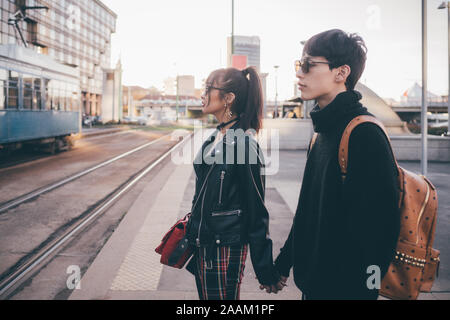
212,101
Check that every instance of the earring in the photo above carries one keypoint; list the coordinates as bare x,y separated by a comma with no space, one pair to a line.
230,113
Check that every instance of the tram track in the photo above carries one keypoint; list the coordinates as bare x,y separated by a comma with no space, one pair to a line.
5,206
29,159
17,274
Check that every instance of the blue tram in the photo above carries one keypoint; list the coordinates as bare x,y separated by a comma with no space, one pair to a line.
39,100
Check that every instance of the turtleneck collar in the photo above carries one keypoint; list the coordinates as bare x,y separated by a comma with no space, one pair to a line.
325,119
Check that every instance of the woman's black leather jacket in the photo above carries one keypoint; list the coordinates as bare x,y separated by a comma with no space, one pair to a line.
228,205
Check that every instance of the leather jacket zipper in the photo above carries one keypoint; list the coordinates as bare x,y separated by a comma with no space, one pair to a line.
256,187
203,200
201,218
222,176
226,213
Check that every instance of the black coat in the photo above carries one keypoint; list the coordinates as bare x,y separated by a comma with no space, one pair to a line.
229,209
340,229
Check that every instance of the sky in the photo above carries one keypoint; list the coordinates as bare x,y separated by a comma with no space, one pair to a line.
158,39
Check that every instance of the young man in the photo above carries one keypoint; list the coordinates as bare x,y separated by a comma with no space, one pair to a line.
340,229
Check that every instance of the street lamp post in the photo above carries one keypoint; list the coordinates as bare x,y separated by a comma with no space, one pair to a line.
424,117
176,92
177,104
446,4
276,90
232,27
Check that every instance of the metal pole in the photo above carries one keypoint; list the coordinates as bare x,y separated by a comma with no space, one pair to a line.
424,118
177,97
448,94
232,28
120,94
276,91
113,95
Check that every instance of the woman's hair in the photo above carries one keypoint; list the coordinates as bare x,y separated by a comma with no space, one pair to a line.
246,86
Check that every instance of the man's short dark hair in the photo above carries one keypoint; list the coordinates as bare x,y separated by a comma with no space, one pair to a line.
340,48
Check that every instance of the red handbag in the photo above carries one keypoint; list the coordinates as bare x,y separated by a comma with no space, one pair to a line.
174,248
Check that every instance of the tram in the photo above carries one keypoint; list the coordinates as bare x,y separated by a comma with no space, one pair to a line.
39,100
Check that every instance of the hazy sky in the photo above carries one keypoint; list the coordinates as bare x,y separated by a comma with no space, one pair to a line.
157,39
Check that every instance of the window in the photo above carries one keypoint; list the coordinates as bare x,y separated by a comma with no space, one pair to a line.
3,87
48,96
37,101
27,92
62,97
2,94
13,90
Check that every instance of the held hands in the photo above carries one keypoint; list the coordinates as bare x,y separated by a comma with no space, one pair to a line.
275,287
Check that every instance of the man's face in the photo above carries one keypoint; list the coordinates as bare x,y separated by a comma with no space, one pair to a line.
315,79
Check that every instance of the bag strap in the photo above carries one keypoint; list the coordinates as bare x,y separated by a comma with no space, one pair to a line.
343,147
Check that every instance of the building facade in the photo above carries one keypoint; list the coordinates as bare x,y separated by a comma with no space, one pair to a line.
76,33
112,94
183,85
245,46
186,85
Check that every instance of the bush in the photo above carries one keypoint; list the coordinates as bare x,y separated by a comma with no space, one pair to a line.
439,131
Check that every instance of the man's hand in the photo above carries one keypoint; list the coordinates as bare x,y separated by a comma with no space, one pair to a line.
275,288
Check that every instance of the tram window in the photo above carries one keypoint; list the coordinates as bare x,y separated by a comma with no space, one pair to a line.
37,101
13,90
3,87
48,98
72,96
55,95
2,94
68,97
62,96
27,92
55,99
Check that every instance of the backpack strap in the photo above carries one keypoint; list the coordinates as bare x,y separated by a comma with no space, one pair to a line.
343,147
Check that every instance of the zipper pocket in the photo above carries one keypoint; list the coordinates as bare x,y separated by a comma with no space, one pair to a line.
222,176
226,213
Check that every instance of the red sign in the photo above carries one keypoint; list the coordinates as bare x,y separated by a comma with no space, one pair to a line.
239,61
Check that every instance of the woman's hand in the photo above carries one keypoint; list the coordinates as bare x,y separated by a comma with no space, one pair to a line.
275,287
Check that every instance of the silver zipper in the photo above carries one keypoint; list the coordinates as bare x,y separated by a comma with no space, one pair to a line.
203,200
222,176
201,189
226,213
256,187
201,218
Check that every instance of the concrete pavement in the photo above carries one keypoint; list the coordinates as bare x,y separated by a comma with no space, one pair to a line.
128,268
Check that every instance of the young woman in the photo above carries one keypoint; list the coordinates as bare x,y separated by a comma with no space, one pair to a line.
228,212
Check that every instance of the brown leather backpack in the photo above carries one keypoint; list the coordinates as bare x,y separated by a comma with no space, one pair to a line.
416,263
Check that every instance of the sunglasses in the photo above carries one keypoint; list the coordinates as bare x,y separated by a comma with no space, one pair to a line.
208,88
306,63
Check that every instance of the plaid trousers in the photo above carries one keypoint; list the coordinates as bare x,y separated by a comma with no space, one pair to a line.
219,276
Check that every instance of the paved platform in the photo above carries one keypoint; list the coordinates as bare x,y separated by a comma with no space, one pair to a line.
128,268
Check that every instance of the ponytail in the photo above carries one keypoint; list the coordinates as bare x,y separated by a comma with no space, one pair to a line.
246,86
251,116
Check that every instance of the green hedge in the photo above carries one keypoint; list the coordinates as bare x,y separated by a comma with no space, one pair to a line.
439,131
